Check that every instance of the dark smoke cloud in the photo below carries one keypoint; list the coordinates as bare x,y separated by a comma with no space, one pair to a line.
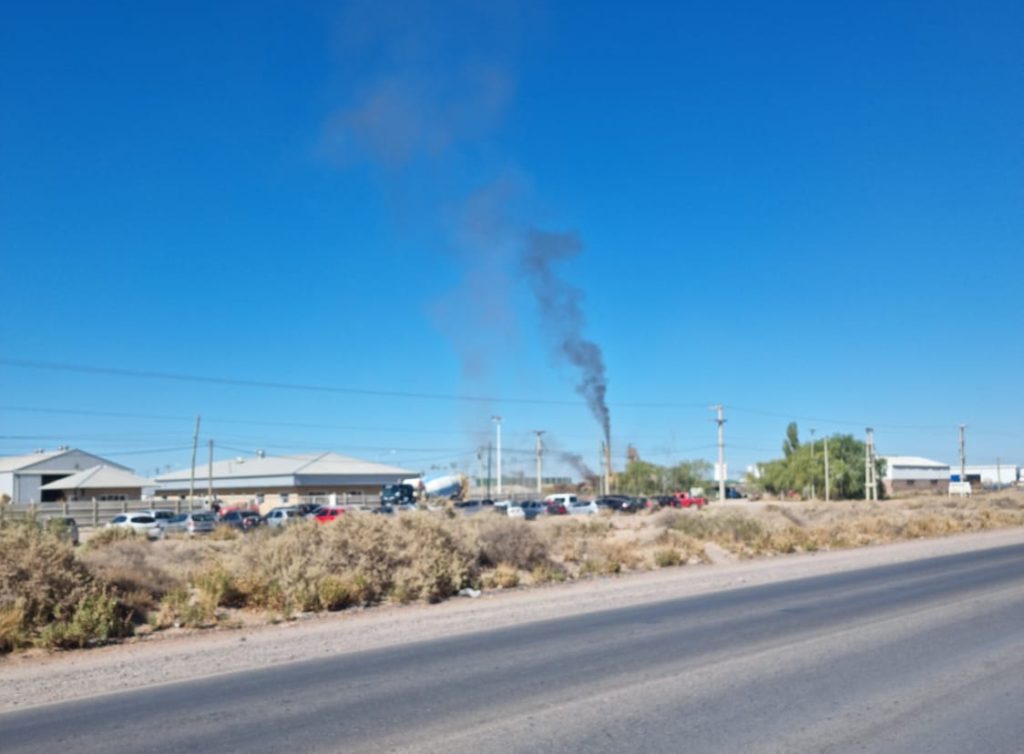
575,460
562,315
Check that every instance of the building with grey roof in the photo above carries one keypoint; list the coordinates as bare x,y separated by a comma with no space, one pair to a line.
101,483
281,480
915,475
22,478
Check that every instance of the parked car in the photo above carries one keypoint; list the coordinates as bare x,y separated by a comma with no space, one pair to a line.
531,509
582,508
556,508
512,510
161,515
283,516
65,528
140,523
242,519
686,500
329,513
191,523
622,503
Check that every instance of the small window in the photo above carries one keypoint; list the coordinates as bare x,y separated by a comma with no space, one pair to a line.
284,498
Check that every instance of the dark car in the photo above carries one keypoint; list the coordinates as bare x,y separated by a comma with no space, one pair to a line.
622,503
244,520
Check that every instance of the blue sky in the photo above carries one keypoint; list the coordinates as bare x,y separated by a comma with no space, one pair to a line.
798,211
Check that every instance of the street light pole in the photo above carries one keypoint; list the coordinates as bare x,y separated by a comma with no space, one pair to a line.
497,443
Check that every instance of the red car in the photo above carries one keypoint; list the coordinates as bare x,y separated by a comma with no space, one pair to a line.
684,500
327,514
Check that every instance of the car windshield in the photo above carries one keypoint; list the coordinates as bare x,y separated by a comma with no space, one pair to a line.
207,517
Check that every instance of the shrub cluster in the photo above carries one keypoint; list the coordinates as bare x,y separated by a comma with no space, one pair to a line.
48,596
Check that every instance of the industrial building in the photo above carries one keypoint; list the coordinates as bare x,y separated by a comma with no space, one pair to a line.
100,483
915,475
990,476
23,478
269,481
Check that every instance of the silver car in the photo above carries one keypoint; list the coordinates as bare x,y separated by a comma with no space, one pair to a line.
190,523
283,516
137,522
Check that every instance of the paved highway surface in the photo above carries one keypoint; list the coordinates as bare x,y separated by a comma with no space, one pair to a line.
926,656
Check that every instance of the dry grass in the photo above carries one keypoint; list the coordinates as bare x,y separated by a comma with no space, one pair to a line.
51,595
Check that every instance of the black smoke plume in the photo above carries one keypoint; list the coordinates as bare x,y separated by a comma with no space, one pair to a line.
562,316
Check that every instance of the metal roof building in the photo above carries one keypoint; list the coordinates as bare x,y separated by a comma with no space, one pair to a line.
22,478
913,474
281,479
101,483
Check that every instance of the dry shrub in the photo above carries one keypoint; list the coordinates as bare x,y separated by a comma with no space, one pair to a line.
736,532
181,607
360,559
224,533
505,540
547,572
48,596
110,534
667,557
12,629
504,576
40,575
136,570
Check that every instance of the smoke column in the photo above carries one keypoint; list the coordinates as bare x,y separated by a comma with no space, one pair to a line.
562,315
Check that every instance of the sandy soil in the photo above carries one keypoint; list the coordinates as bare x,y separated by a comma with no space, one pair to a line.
38,678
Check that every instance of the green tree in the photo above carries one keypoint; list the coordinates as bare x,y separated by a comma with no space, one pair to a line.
803,466
792,442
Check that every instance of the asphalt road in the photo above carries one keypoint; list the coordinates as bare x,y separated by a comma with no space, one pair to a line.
926,656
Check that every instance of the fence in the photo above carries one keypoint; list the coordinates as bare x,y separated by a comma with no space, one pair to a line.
91,512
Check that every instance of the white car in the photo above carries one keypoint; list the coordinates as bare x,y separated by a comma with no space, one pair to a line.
513,510
140,523
161,515
582,508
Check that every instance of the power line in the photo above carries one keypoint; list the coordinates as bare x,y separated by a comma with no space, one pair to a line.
274,385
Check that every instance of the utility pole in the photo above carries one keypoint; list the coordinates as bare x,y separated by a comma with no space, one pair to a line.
192,476
963,461
490,449
999,474
209,477
497,431
813,496
827,490
870,482
540,461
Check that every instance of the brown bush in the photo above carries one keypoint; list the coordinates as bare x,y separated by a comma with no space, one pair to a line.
48,596
505,540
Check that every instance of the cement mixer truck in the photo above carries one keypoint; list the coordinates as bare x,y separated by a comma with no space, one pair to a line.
420,489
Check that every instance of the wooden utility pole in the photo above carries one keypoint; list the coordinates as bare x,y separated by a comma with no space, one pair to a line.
192,475
827,488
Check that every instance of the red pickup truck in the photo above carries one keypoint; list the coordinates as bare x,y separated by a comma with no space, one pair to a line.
685,500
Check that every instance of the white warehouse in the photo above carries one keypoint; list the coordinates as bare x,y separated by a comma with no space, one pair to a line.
913,474
22,478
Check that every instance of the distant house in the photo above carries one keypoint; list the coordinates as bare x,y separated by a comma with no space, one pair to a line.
101,483
22,478
281,480
912,475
